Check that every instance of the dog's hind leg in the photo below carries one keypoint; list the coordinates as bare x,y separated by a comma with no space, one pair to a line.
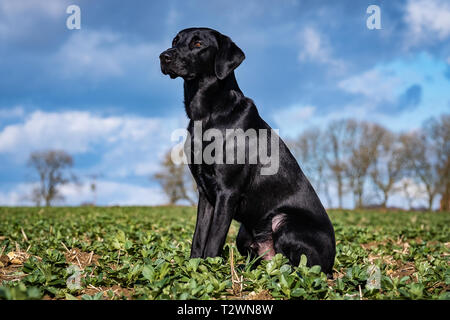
244,242
292,238
248,246
261,246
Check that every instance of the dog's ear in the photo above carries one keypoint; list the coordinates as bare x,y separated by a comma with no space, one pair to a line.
228,57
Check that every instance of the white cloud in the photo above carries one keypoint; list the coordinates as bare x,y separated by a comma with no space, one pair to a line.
16,195
374,84
428,20
94,54
51,8
113,193
122,150
74,131
313,47
14,112
292,120
19,17
173,17
127,145
108,193
408,188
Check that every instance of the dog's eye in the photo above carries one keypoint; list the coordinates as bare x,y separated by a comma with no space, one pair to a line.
197,44
174,42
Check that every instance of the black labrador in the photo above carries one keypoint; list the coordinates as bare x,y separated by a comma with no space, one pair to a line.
279,212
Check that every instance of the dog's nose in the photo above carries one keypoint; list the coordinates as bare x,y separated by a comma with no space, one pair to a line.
165,57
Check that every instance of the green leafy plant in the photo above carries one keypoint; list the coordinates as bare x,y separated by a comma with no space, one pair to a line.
143,253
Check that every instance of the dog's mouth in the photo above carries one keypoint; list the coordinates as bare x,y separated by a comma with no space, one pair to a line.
166,70
169,72
172,75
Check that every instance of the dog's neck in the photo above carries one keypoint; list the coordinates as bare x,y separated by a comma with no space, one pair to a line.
208,94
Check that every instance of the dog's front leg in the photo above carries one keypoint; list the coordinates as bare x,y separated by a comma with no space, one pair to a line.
224,209
205,213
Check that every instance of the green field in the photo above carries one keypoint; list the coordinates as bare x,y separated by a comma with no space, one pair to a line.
143,253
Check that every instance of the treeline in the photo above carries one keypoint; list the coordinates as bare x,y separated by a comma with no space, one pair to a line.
353,158
357,158
371,163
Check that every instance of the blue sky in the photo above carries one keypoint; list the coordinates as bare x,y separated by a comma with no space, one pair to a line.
98,92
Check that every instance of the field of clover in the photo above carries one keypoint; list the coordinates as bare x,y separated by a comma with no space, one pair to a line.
93,253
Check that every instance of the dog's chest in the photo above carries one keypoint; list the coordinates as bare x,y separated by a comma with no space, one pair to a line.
205,178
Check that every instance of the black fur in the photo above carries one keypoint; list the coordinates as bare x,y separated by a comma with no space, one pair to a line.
206,60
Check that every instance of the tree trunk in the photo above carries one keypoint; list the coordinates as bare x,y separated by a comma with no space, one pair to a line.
357,199
430,202
340,194
328,197
385,200
360,200
445,200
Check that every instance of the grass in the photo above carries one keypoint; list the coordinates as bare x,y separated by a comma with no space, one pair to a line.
143,253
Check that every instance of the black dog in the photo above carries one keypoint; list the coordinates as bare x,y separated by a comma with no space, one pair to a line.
280,212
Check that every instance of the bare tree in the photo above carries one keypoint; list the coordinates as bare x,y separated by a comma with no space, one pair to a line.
437,135
176,181
51,167
366,138
310,149
387,167
350,152
418,157
339,136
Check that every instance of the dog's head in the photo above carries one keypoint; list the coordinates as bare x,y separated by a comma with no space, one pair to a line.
200,52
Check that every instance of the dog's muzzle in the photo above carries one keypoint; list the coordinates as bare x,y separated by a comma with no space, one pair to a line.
166,58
